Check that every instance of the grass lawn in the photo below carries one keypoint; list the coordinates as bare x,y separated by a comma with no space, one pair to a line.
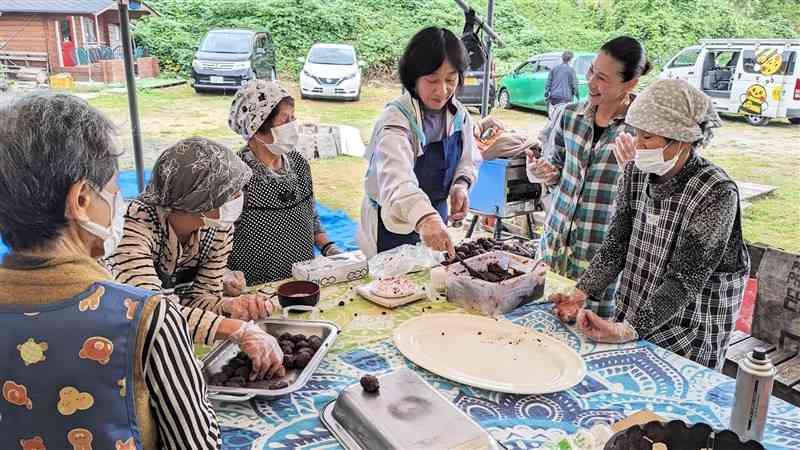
767,155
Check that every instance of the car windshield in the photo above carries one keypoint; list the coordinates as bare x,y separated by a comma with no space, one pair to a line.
226,43
582,64
329,55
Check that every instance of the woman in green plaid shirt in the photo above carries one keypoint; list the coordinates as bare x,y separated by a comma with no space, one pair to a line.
581,163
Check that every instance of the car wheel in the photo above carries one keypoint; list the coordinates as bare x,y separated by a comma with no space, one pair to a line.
757,121
503,99
794,120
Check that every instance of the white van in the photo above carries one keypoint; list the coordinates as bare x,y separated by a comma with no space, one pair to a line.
759,78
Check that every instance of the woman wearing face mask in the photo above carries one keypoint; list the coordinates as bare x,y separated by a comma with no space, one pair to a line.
178,235
78,344
581,163
421,151
676,236
279,225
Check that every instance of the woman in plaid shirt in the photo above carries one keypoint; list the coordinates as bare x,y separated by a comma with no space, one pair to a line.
581,163
675,238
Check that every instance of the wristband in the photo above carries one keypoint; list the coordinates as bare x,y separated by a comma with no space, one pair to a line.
325,247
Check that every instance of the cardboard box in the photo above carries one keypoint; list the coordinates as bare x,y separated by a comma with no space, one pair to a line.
330,270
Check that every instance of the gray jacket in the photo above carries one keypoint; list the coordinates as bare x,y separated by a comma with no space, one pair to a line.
562,84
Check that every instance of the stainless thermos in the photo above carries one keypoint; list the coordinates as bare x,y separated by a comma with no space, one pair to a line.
753,388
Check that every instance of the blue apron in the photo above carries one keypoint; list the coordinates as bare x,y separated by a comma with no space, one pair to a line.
435,170
67,371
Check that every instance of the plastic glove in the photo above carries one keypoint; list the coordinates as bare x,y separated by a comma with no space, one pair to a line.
490,122
541,171
262,348
605,331
248,307
233,283
624,148
332,250
459,202
566,307
434,234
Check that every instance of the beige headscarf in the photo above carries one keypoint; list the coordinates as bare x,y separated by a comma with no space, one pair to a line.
675,110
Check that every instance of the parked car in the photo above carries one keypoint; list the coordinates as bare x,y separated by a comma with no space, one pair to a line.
228,59
331,71
758,78
471,92
525,85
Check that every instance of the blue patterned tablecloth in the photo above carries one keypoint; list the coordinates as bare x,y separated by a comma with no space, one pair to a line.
621,380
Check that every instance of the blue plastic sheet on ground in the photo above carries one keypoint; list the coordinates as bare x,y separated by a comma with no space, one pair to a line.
340,227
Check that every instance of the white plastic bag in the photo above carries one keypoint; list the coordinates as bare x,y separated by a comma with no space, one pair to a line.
402,260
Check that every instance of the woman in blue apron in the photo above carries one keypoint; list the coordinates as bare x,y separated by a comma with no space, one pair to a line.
90,362
675,238
422,151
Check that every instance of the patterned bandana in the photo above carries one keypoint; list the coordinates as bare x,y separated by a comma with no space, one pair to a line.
675,110
195,175
252,105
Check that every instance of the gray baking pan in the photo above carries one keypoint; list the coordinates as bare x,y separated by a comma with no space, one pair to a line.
296,379
406,414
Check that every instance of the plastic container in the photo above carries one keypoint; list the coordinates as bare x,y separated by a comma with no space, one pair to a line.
62,81
493,299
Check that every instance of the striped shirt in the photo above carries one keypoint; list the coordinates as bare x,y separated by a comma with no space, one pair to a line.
150,254
182,411
180,408
584,194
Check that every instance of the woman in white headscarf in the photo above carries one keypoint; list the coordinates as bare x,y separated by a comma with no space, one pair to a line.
675,237
279,224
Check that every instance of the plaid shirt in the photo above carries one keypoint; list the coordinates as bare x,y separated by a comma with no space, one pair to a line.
679,247
584,195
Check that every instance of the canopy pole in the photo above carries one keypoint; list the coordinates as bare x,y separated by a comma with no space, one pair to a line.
487,72
130,78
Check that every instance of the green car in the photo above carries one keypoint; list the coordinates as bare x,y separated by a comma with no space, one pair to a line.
525,85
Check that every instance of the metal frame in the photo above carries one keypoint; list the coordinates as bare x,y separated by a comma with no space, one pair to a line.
490,36
133,104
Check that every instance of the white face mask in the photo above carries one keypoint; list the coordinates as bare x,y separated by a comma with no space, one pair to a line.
112,235
228,214
651,160
285,138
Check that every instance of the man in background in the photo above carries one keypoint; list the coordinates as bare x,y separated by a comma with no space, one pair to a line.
562,84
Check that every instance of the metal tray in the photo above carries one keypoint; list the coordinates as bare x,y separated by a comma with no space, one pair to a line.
406,414
221,354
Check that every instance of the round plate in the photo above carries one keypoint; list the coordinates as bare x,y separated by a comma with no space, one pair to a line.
490,354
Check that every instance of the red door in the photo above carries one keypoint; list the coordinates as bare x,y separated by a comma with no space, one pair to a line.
67,38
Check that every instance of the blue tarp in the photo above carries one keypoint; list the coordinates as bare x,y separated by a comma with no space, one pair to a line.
340,228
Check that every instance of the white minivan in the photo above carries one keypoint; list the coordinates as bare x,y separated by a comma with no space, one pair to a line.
331,71
758,78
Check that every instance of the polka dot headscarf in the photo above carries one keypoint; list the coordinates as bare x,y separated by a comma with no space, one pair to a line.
252,105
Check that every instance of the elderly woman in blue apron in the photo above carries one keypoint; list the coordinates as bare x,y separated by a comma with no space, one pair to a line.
676,236
421,151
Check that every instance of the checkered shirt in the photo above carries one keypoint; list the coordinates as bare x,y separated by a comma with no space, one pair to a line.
583,198
700,330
